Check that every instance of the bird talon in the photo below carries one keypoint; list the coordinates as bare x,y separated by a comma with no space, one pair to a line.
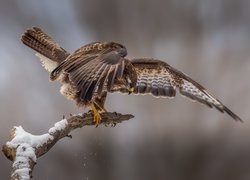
97,118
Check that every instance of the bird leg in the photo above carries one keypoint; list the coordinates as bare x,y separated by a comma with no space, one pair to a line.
96,107
100,106
96,114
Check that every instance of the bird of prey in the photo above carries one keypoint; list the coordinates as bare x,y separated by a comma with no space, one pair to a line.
98,68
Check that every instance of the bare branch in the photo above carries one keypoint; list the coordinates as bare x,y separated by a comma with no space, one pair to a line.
24,148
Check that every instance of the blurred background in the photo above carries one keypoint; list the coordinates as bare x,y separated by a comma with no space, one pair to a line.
168,139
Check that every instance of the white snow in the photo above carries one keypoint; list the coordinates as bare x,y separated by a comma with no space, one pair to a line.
23,173
58,126
24,143
24,153
21,136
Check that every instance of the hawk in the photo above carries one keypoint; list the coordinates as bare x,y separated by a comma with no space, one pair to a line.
98,68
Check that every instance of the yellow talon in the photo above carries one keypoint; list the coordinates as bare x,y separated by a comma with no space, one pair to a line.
96,114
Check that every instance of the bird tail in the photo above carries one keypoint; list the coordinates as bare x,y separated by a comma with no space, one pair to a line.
36,39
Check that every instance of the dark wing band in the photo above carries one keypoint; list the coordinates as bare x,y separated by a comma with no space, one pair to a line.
152,78
161,80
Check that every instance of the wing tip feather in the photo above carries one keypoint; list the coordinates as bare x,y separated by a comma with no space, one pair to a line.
233,115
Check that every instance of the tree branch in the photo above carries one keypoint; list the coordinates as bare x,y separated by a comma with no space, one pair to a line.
24,148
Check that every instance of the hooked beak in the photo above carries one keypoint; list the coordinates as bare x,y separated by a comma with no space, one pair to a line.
130,90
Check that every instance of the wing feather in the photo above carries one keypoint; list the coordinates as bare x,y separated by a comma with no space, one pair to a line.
89,86
70,64
120,69
153,78
92,68
159,79
103,78
111,77
80,76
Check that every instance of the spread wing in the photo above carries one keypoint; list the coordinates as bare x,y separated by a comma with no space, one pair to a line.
161,80
92,67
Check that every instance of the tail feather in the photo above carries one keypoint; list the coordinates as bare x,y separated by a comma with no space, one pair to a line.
36,39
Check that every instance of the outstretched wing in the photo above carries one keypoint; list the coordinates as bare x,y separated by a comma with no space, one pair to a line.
92,67
161,80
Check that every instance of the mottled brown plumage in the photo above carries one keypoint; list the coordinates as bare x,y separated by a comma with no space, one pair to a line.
97,68
43,44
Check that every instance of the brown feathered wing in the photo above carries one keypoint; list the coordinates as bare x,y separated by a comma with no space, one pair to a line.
93,68
159,79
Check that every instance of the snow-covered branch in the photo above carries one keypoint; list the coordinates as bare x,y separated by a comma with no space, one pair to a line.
24,148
